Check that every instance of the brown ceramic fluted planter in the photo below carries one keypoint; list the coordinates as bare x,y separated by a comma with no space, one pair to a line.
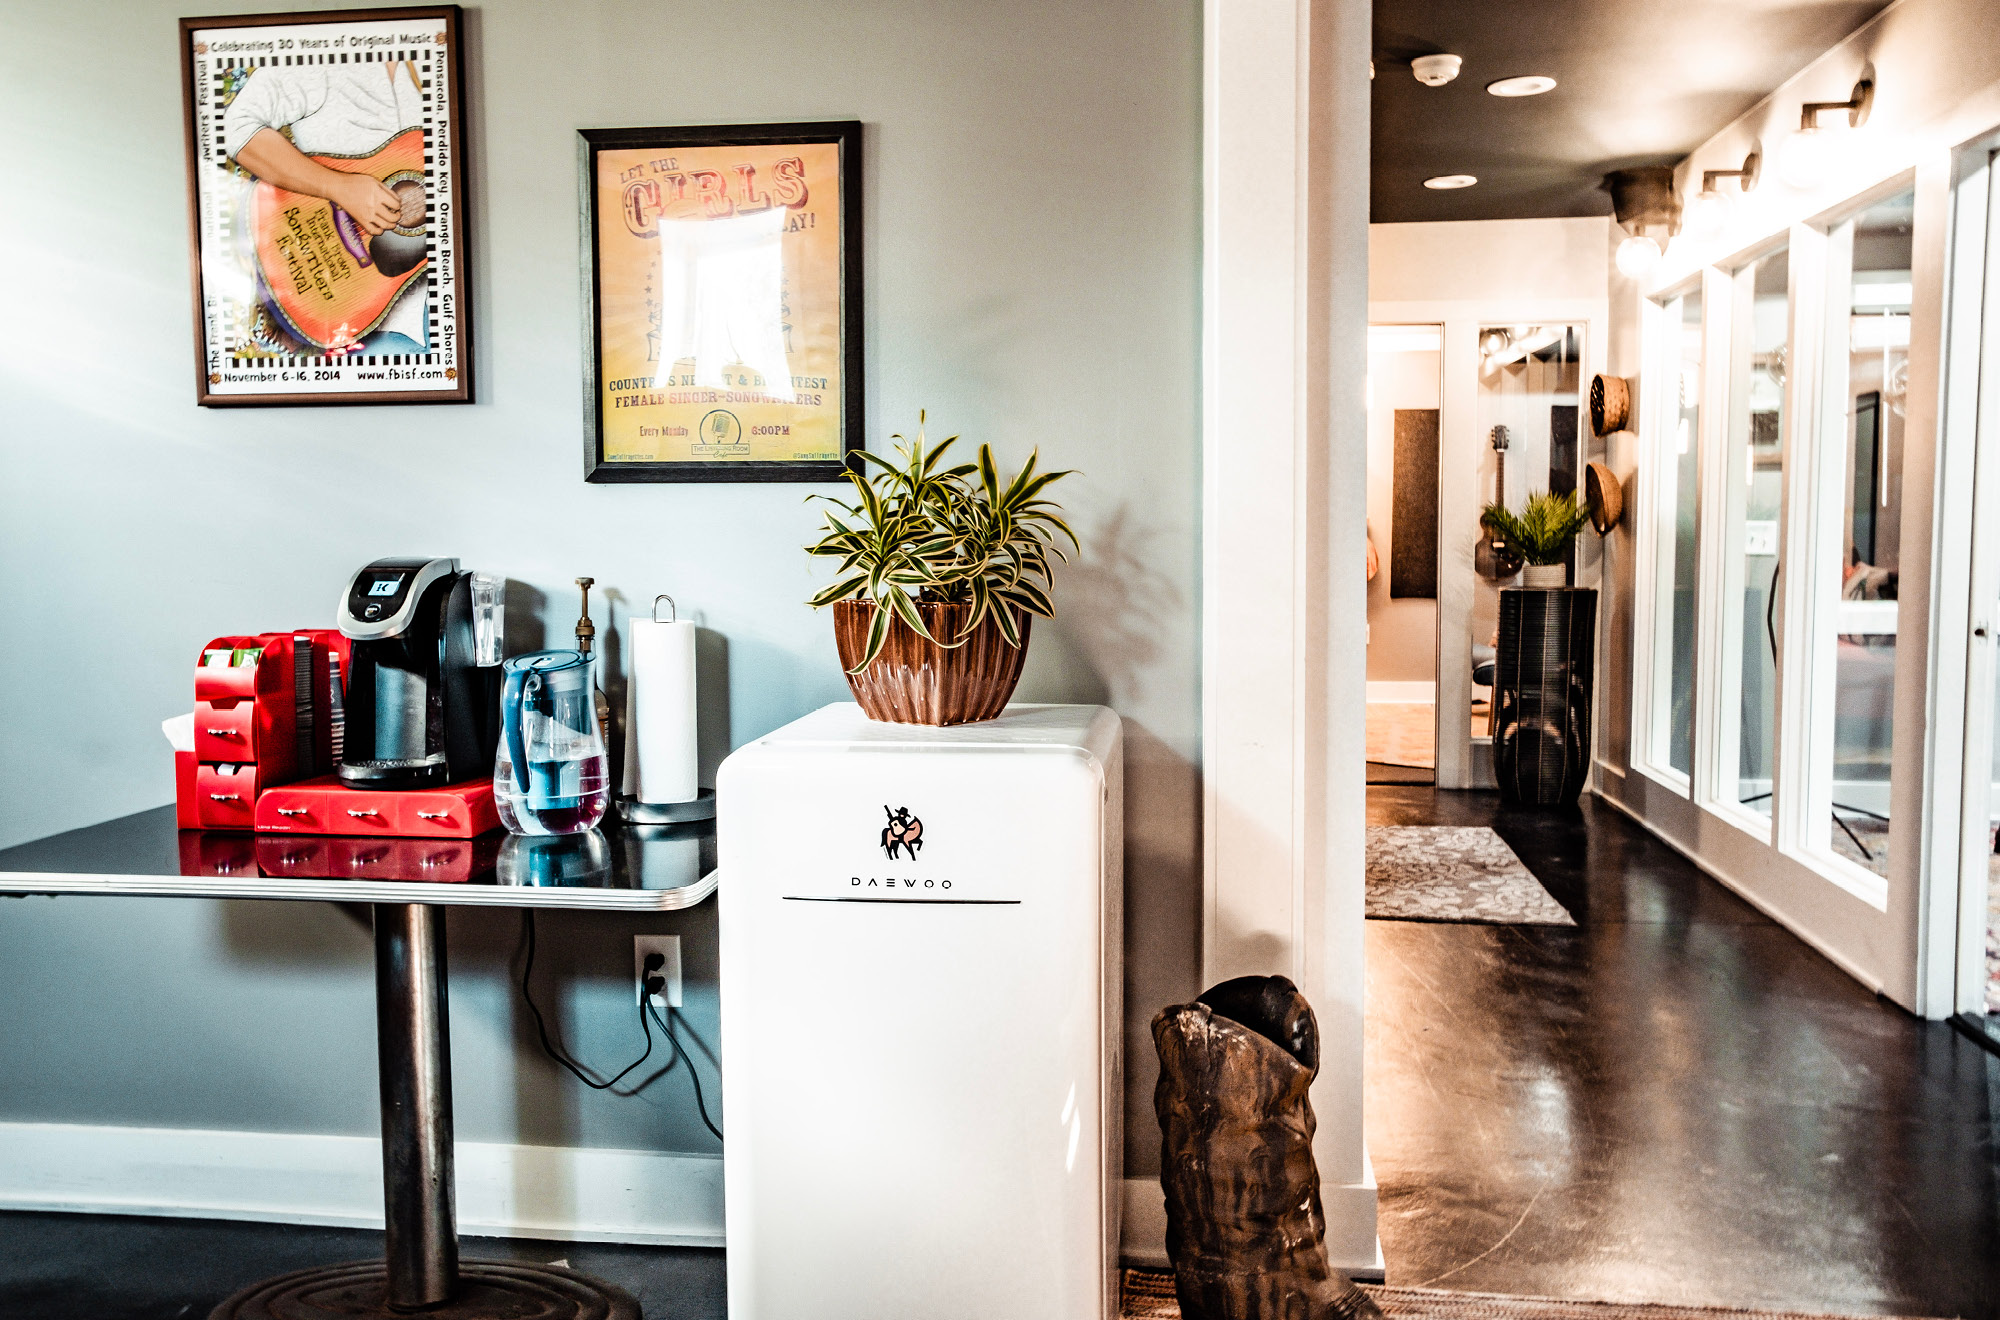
913,681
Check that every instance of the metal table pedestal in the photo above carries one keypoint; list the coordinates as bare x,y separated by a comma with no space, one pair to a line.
421,1273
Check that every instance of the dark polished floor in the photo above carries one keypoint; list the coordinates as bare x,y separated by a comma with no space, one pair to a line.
114,1267
1676,1100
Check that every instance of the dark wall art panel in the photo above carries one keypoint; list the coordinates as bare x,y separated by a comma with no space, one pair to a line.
1413,530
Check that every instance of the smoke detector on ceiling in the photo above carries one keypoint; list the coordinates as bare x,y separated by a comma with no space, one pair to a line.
1435,70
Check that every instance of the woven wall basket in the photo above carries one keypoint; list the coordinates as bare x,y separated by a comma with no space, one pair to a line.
913,681
1610,403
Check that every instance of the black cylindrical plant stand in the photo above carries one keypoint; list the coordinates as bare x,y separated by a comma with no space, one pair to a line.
1542,686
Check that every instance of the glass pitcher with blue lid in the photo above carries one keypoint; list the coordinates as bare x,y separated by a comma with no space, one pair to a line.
549,772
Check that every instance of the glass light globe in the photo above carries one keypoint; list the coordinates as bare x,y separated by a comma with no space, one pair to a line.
1807,155
1637,256
1707,214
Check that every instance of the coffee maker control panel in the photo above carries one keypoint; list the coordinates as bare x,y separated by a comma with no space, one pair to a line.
382,597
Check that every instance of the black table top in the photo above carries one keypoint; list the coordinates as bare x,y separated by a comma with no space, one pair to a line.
647,868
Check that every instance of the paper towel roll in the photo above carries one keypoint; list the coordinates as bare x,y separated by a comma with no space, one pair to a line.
660,754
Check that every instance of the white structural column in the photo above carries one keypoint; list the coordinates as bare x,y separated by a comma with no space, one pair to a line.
1284,491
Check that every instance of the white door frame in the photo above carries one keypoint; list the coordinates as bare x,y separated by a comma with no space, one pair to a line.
1966,612
1459,763
1284,508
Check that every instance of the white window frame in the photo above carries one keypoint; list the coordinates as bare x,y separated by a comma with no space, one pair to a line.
1658,485
1719,554
1813,595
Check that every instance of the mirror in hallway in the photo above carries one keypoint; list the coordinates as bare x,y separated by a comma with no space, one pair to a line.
1526,417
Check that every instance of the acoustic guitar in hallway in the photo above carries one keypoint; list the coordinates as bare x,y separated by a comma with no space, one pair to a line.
325,280
1492,557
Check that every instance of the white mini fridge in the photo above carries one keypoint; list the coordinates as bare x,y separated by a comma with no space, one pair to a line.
921,959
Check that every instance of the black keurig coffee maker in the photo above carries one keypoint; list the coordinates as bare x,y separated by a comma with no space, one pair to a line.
423,691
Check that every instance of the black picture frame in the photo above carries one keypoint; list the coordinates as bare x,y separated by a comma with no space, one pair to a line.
846,136
448,272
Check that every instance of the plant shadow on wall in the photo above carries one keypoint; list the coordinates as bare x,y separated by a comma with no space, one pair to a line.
1122,638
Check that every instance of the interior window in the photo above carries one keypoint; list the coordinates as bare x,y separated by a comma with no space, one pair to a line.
1674,565
1867,369
1753,493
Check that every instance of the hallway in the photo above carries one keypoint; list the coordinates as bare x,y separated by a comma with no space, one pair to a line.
1675,1100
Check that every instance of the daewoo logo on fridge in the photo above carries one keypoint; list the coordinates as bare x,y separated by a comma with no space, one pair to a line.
901,836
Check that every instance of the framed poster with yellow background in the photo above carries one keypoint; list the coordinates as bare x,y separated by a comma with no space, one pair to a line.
722,302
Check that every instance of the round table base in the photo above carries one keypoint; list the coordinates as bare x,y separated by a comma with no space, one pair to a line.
487,1290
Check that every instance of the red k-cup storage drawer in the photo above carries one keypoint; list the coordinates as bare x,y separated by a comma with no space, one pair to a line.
282,811
456,811
217,679
326,806
359,812
225,731
225,796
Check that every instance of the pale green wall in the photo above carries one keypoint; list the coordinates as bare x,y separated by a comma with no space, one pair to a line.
1033,228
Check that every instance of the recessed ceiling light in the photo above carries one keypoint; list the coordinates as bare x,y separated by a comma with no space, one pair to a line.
1445,182
1528,84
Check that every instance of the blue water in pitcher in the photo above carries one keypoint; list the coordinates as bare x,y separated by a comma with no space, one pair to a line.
549,772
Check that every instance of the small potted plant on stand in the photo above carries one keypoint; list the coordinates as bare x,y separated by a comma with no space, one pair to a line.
942,571
1546,657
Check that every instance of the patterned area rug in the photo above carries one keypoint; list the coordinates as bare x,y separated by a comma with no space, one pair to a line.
1454,873
1149,1295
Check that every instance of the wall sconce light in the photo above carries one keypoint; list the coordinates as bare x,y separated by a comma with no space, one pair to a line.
1648,211
1809,151
1708,210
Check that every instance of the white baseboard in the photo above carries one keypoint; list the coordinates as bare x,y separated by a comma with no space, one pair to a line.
1423,694
1351,1241
564,1193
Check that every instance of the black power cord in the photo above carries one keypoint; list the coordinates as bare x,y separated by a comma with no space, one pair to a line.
694,1075
652,986
552,1048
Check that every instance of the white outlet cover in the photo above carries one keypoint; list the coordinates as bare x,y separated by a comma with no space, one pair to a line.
670,947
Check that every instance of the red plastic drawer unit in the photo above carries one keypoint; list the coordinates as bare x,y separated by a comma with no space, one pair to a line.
268,702
326,806
225,731
225,796
187,815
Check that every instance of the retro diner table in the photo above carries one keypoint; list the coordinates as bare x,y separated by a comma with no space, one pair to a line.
651,868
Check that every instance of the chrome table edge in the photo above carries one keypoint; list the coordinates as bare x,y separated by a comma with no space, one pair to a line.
442,893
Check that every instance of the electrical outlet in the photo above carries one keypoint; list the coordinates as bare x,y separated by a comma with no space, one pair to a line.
669,947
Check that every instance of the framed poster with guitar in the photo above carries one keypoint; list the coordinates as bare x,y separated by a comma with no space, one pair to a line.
326,192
